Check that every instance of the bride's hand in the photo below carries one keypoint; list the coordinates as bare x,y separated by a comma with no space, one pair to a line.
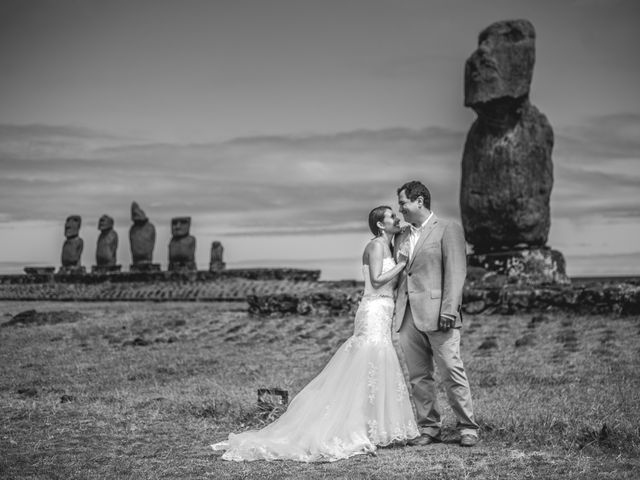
403,253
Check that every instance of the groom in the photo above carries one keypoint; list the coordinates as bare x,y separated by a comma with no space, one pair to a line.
427,316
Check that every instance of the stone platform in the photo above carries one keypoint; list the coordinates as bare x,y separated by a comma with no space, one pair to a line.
41,276
530,266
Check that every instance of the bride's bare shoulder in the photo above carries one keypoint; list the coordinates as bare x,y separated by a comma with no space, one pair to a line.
374,245
373,248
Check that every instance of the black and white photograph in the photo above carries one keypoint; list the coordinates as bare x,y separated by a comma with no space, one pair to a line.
319,239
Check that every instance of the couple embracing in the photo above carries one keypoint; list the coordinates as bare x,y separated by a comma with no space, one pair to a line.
379,388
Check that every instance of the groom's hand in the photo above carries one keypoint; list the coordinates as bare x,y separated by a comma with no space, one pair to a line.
446,322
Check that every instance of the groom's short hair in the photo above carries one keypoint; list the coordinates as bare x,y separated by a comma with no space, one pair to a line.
415,189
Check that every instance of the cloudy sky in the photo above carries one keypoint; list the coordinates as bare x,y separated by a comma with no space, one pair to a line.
278,124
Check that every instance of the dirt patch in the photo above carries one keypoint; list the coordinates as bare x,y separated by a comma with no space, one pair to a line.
33,317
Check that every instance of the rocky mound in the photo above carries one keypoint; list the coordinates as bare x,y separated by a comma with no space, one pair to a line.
32,317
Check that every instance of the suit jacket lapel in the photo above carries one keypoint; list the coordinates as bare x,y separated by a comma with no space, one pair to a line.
428,228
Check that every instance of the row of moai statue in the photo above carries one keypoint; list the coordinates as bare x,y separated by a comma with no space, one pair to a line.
507,172
142,239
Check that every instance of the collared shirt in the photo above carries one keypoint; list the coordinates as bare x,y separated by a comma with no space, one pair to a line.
415,233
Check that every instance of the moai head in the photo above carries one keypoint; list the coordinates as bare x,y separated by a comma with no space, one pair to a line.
180,226
502,65
216,251
137,214
105,223
72,226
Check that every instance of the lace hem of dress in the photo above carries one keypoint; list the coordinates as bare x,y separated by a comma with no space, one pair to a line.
331,451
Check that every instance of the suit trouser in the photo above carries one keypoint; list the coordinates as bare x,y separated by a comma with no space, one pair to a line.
420,351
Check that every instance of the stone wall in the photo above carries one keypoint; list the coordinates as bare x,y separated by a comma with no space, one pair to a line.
616,299
226,285
323,299
592,298
231,289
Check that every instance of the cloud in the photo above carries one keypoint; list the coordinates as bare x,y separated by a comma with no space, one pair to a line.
597,3
282,183
35,132
597,169
602,139
295,184
37,141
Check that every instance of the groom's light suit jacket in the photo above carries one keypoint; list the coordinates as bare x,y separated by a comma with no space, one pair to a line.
434,277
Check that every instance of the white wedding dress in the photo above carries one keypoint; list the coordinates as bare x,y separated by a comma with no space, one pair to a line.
357,402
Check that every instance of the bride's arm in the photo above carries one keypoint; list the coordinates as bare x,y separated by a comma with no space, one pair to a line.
375,255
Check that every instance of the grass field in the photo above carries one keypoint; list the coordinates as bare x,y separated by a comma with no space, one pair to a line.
139,391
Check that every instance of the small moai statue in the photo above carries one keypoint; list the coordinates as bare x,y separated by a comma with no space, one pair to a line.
216,264
142,240
182,247
73,246
107,247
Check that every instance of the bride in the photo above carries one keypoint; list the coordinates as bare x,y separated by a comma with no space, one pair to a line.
360,399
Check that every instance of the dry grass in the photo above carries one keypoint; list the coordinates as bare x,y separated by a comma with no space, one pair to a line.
139,390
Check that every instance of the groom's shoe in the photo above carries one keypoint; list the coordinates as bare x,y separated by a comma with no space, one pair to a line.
423,440
468,440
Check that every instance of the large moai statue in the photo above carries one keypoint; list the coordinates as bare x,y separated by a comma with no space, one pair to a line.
72,247
182,247
216,264
142,240
507,173
107,247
